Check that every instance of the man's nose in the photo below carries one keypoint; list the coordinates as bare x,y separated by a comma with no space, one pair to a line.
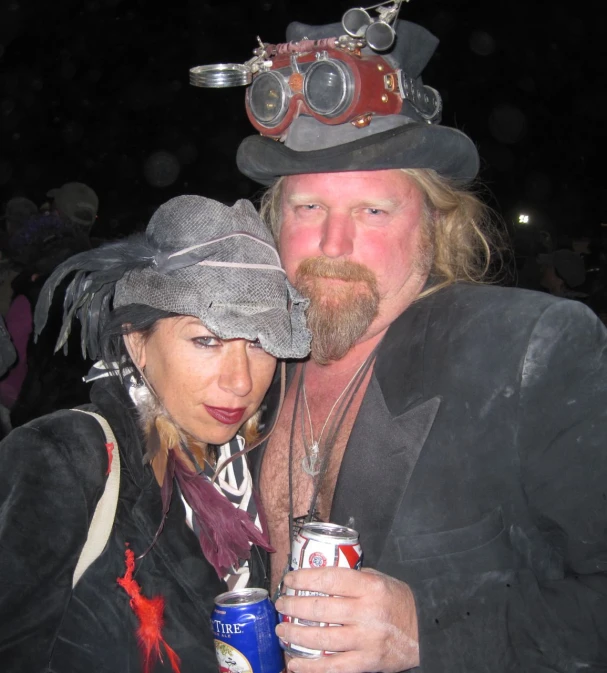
338,235
236,376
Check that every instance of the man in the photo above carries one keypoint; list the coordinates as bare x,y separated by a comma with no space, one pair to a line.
458,427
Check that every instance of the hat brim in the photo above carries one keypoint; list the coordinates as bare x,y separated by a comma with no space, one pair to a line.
446,150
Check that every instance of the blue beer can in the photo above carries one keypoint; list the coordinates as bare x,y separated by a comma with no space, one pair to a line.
245,640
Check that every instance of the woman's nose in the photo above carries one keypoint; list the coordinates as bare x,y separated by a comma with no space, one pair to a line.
235,376
338,235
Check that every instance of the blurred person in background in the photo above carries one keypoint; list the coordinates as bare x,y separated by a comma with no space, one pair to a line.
8,355
17,212
41,382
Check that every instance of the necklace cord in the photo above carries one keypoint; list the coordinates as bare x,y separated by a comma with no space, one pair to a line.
291,438
336,425
343,392
334,429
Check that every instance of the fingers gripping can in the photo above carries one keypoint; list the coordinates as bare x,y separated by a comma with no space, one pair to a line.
245,641
320,545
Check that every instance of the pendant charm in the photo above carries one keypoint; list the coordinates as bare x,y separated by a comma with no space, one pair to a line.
310,463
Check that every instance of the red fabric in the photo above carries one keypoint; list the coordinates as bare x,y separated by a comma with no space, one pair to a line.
110,456
149,613
226,532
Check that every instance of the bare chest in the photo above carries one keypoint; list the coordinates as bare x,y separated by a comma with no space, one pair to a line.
289,450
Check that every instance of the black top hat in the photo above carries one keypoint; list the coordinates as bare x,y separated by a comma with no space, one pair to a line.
404,140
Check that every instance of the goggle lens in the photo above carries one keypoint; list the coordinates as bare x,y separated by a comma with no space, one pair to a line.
326,88
268,98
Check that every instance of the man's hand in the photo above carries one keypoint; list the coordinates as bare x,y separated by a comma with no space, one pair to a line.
379,631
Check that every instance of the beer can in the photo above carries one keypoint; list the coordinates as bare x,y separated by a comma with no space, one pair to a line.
244,623
320,545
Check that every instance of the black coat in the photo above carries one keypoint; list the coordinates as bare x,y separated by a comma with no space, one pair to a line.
476,471
52,474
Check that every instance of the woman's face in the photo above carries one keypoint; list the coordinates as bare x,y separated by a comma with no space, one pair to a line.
210,386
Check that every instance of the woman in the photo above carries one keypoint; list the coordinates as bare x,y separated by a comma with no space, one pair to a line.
201,309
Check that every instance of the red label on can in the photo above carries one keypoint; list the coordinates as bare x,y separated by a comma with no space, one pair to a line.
352,554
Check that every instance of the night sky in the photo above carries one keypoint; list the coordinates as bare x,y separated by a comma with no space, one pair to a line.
92,91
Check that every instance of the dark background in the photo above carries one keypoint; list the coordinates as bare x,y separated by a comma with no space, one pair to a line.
92,90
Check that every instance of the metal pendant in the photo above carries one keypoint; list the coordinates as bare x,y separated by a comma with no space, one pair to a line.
310,463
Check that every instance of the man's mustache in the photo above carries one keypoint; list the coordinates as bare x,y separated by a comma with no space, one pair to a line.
323,267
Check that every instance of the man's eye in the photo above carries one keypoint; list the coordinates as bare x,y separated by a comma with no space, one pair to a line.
375,211
308,206
255,344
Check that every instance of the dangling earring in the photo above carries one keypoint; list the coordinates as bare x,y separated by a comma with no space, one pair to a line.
138,389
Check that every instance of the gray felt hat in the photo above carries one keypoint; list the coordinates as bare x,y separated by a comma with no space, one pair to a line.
404,140
198,257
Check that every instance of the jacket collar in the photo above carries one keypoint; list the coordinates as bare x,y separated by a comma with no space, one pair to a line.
399,364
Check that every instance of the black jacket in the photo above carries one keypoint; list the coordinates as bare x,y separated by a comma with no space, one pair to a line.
476,471
52,473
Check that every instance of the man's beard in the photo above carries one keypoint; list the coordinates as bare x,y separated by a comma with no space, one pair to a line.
339,315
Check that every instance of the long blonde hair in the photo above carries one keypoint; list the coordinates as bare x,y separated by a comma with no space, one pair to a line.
462,234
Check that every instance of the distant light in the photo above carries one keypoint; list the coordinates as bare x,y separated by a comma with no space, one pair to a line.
523,219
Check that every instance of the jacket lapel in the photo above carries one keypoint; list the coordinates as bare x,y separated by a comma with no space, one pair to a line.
391,428
377,466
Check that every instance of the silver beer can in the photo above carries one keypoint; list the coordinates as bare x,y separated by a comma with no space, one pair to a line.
320,545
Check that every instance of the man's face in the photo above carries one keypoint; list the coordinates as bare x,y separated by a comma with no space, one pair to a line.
363,228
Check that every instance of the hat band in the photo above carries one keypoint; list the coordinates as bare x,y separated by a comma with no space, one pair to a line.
237,265
195,254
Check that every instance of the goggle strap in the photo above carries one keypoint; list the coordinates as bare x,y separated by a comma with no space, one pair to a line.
426,100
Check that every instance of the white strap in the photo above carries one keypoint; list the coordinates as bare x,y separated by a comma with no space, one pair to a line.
105,512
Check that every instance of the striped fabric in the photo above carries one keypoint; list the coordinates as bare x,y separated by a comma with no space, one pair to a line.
236,484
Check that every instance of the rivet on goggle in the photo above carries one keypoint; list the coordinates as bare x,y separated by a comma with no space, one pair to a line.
380,67
384,98
296,81
362,121
390,82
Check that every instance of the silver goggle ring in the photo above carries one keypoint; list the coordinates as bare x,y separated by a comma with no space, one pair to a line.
221,75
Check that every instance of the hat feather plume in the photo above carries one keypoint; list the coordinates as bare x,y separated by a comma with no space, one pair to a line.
89,295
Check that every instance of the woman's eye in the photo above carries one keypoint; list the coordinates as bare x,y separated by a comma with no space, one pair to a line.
206,341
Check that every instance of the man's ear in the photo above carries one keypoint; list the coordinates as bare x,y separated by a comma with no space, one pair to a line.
135,346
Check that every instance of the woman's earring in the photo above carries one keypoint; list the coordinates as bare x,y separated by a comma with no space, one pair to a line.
137,387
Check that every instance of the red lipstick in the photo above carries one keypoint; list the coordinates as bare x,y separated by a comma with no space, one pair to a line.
226,415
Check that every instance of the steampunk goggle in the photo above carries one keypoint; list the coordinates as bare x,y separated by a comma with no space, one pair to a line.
331,79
